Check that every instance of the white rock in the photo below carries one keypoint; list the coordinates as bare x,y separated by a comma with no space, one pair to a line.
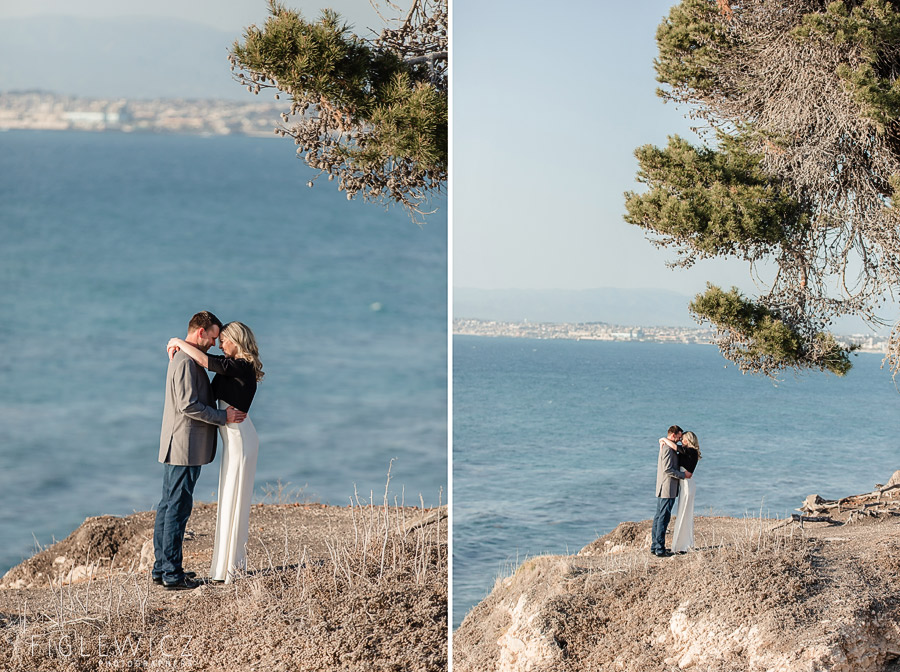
522,646
147,556
78,573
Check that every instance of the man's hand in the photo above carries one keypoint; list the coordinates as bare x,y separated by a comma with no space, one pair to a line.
687,474
234,415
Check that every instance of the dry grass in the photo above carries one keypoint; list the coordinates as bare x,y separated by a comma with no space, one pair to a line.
375,599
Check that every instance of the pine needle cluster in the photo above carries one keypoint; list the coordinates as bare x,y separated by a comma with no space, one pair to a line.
372,115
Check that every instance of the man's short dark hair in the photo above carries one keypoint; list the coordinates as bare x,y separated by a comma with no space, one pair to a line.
203,320
675,429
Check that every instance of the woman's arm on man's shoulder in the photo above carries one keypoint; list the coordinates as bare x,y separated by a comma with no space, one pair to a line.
191,351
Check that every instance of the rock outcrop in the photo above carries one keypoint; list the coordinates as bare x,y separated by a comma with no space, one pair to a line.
755,594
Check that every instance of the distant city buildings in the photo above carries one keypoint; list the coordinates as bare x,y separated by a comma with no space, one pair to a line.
600,331
40,110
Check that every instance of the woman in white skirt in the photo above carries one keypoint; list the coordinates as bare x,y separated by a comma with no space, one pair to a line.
237,373
688,456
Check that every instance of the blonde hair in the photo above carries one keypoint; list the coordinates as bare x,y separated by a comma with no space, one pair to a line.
691,440
240,334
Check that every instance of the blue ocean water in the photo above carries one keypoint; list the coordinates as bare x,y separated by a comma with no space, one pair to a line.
110,242
555,442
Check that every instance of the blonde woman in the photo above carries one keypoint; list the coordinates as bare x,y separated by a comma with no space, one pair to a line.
688,456
237,373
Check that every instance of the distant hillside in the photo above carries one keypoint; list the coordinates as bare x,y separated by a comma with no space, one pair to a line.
632,307
135,57
636,307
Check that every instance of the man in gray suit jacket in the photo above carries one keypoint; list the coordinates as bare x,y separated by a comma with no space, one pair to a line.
187,441
667,476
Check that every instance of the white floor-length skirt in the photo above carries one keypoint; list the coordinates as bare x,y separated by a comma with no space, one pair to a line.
683,535
238,469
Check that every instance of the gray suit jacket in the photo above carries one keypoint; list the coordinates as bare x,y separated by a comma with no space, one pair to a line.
667,473
190,417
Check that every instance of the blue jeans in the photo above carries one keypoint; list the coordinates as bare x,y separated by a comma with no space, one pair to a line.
660,523
171,518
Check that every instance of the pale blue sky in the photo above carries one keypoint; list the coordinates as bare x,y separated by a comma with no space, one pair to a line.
550,101
232,15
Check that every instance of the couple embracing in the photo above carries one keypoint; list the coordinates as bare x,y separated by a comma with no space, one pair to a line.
195,411
679,452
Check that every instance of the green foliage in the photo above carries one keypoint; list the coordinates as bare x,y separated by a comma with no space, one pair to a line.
714,202
866,29
803,179
686,39
410,122
322,59
760,339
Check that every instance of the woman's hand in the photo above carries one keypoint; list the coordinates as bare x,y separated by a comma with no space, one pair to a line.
192,351
173,346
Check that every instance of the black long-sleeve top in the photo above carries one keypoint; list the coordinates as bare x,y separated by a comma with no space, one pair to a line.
234,382
688,458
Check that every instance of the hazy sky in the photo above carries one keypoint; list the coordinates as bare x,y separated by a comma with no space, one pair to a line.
131,49
550,101
231,15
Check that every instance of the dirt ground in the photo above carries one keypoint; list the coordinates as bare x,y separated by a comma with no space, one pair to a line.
754,594
327,588
281,532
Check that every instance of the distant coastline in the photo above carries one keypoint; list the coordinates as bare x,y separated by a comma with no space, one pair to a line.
44,110
602,331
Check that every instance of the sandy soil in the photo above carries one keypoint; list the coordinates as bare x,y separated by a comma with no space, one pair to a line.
328,588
